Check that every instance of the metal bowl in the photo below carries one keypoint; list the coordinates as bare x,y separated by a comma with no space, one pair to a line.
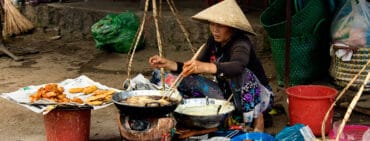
144,111
205,114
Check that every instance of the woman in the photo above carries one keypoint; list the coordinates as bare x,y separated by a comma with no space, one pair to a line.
230,57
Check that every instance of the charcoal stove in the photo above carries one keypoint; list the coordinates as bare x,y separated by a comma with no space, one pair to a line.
135,128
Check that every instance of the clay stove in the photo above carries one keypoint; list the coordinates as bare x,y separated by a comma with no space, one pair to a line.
145,128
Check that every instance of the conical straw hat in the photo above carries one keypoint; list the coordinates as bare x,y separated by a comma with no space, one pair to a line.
226,12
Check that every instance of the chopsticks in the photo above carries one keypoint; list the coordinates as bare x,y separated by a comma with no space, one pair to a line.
181,75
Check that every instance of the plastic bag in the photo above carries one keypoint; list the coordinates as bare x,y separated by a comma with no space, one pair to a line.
366,136
351,26
116,32
350,132
297,132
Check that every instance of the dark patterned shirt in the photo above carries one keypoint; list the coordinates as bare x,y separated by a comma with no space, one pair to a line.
233,58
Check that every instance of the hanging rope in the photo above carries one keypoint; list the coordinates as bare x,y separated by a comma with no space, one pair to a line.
159,41
174,11
134,45
174,6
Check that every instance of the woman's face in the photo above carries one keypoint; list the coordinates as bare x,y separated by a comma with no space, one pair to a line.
220,32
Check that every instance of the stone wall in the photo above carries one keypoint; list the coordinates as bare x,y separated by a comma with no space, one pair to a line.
75,23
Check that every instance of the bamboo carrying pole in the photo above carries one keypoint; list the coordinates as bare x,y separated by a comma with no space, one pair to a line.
352,106
134,44
14,22
338,97
159,39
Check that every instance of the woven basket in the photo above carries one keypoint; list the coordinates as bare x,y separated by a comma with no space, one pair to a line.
354,86
344,71
303,21
309,55
306,61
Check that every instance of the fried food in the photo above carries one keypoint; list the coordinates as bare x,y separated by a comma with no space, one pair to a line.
77,100
106,92
85,90
75,90
100,96
51,92
55,93
96,98
95,103
89,89
145,100
108,98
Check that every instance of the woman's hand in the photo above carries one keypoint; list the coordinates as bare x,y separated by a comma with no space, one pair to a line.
196,67
160,62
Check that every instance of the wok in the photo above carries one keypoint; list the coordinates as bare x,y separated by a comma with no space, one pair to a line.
147,110
202,112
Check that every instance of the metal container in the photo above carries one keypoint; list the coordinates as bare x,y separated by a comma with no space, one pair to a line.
202,112
150,110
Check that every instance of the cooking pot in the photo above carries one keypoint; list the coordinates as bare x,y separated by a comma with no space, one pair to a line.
147,110
202,112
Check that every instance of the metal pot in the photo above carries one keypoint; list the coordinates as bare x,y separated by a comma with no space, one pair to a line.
202,112
148,110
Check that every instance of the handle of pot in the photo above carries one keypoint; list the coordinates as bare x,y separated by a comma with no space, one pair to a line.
127,84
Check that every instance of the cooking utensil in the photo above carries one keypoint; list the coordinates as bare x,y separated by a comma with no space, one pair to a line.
185,134
179,78
200,112
223,105
226,138
148,110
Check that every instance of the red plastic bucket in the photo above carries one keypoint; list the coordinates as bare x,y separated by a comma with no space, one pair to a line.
308,105
68,125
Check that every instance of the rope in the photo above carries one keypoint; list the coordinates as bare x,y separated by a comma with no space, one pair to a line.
173,4
174,11
137,38
159,39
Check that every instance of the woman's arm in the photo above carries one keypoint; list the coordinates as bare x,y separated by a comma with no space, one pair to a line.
160,62
197,67
239,59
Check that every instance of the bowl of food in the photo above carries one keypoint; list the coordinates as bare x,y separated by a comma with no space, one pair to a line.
145,103
202,112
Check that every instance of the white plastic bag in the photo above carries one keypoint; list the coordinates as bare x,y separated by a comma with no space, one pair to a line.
366,136
351,24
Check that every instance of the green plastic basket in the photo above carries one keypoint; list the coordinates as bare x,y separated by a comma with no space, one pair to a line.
273,19
306,64
309,55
